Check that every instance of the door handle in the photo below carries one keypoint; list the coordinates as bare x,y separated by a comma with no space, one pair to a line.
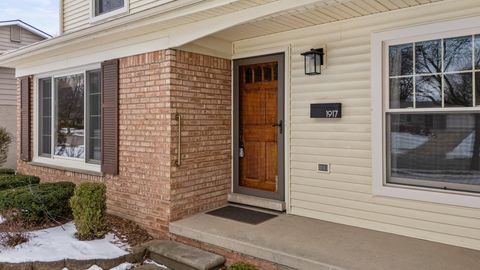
280,125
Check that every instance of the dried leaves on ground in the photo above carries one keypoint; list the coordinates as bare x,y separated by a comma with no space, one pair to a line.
13,239
126,230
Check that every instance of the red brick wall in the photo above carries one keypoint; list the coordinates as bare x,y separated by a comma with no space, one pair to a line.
201,93
149,189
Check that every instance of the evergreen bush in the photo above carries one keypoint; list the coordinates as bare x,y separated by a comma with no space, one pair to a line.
89,210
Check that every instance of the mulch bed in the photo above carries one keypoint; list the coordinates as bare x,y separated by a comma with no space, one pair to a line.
128,231
19,226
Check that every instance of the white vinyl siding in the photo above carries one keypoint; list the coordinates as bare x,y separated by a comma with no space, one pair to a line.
345,195
76,13
8,87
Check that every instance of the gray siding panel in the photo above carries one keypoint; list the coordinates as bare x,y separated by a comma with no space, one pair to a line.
8,86
27,38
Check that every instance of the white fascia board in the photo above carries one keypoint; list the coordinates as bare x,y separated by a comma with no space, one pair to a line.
114,44
121,25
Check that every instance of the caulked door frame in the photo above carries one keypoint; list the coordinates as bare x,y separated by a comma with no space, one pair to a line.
286,51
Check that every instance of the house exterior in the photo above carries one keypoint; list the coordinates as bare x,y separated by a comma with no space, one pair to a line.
13,35
180,106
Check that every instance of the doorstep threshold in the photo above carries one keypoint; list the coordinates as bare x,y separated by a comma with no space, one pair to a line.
256,202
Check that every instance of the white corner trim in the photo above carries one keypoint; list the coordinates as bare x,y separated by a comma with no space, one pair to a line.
378,43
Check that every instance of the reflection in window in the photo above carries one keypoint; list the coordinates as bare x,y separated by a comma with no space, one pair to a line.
435,150
428,57
45,117
401,60
428,91
94,116
401,93
458,53
458,90
477,92
434,86
70,129
104,6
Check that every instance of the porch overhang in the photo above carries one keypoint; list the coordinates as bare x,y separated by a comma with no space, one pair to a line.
163,29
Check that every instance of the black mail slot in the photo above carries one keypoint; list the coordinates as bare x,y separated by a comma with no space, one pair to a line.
326,110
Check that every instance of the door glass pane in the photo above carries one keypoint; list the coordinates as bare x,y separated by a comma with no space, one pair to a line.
458,53
458,90
428,57
401,59
401,92
45,117
439,150
428,91
94,116
70,130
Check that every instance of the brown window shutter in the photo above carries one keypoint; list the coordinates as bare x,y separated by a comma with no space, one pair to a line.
110,117
25,118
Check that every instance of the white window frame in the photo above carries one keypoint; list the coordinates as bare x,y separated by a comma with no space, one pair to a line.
379,66
54,160
114,13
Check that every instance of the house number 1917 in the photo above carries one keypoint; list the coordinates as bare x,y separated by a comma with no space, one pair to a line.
331,113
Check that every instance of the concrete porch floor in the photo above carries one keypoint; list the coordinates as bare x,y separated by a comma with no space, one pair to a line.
305,243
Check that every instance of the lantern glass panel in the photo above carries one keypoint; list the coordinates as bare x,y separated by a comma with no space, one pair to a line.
310,63
318,63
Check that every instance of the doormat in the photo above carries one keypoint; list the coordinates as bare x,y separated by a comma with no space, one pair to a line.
241,214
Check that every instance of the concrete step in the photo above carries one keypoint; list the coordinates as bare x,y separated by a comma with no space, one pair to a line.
182,257
256,202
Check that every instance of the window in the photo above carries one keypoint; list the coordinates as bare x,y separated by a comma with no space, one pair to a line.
102,7
69,128
432,122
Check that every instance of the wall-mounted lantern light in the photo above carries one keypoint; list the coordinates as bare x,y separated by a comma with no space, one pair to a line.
313,61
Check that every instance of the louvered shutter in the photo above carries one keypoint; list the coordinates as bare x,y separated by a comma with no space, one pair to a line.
110,117
25,118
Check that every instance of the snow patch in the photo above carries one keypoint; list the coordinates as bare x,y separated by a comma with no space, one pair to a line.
2,219
59,243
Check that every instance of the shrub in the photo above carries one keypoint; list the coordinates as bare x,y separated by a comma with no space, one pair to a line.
12,181
4,171
242,266
5,140
39,204
89,206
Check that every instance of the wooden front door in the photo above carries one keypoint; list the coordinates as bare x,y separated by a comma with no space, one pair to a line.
260,126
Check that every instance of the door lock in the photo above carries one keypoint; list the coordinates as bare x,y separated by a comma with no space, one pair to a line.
280,125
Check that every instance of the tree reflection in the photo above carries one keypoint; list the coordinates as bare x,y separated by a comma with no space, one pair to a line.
70,116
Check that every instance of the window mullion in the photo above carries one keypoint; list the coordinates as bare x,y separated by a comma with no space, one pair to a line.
442,78
414,72
473,72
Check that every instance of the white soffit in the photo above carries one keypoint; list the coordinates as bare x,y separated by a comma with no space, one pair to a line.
314,14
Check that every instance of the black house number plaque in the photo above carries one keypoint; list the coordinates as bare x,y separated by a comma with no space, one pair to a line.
326,110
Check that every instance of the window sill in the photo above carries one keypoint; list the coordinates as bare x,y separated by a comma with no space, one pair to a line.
109,15
65,168
430,195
